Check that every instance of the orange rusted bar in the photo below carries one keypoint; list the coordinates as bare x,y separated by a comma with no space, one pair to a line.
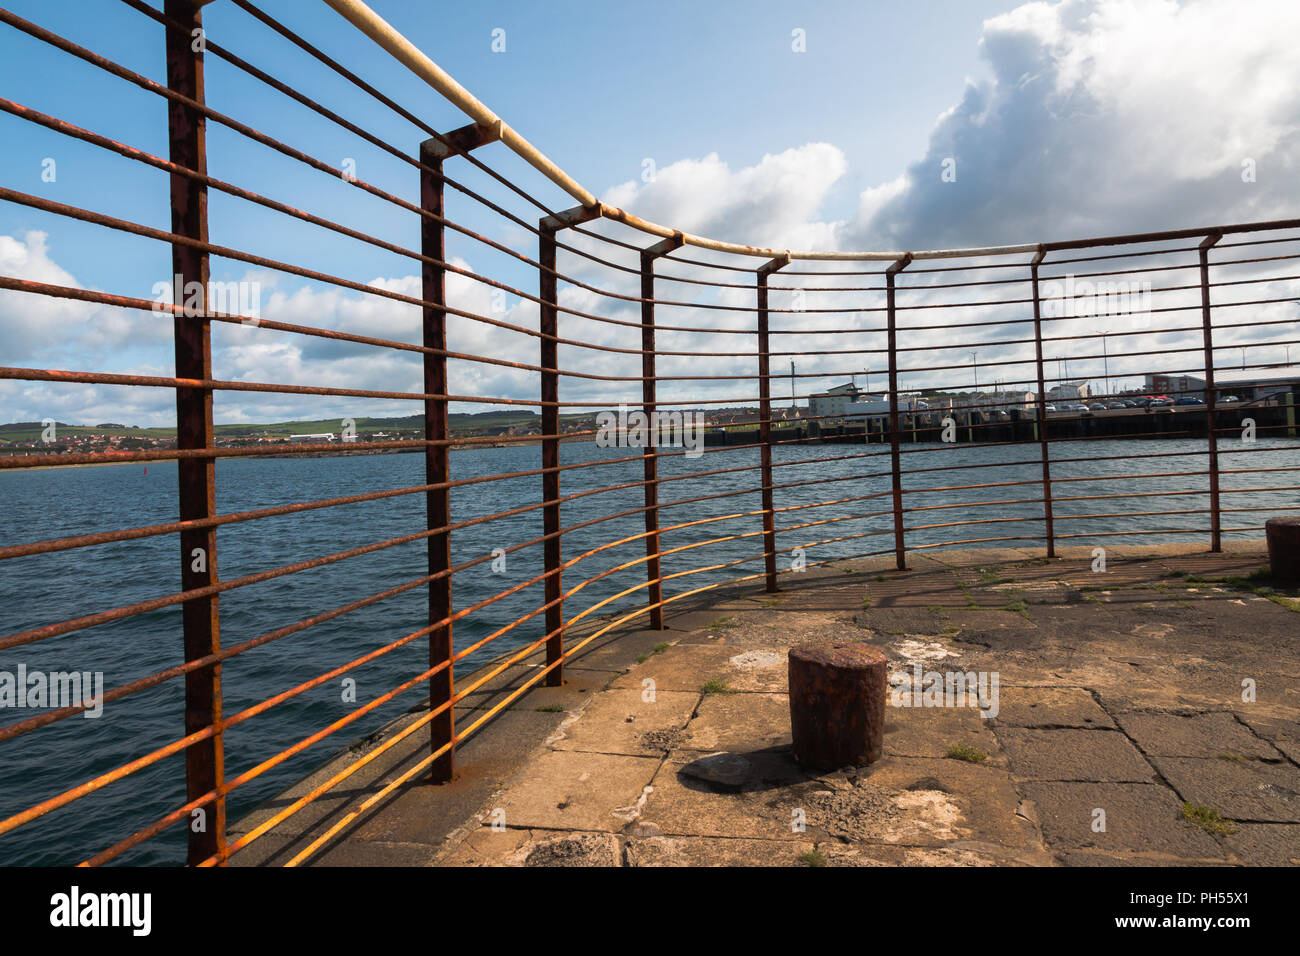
1211,396
896,468
1040,408
548,329
204,761
765,415
651,468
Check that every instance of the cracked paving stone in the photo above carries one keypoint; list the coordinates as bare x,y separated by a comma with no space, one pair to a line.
1088,755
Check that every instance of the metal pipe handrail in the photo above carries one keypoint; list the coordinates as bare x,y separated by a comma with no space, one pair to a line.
413,58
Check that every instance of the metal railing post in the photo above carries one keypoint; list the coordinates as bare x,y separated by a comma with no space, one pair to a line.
765,422
437,501
1211,396
895,459
548,326
201,617
654,573
1042,407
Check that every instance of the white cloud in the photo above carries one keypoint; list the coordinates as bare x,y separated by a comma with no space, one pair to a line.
1106,117
772,203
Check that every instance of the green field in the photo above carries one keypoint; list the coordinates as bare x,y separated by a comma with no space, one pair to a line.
459,422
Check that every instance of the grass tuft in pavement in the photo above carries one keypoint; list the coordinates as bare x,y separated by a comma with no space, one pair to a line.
716,685
1207,818
966,752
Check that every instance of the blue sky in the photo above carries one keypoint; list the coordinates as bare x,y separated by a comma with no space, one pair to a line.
597,86
1079,117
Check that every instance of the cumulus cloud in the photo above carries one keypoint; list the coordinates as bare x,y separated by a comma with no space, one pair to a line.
773,203
254,354
47,332
38,329
1105,117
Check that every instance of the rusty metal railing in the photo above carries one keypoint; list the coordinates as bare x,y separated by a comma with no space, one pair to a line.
910,316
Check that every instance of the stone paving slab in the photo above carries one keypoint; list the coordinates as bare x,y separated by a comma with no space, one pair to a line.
945,801
933,731
906,592
690,666
711,851
959,853
1282,733
513,847
574,790
1205,734
1139,818
739,723
767,628
908,620
1266,844
763,810
973,557
627,722
1074,755
1096,859
1237,789
1050,707
975,623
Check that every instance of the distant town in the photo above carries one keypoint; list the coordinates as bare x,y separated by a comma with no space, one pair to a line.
843,403
51,437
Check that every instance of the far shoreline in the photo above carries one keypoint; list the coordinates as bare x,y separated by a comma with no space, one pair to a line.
321,454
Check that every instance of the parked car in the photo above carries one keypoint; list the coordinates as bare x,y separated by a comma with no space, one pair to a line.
1115,405
1189,401
1160,402
1143,402
1229,398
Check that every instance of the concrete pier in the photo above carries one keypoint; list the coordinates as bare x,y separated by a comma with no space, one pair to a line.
1148,714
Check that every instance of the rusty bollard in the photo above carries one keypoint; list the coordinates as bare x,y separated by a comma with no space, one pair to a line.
1283,536
837,704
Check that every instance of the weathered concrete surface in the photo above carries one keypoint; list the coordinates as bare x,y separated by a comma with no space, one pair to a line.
1145,715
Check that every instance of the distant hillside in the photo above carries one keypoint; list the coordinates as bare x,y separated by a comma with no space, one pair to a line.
459,421
462,423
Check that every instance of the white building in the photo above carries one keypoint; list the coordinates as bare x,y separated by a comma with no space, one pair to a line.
1068,390
1175,386
834,402
877,406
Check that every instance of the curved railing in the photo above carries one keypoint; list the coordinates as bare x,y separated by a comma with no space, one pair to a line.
546,551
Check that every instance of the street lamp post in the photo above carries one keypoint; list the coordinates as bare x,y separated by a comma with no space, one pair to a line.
1105,359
